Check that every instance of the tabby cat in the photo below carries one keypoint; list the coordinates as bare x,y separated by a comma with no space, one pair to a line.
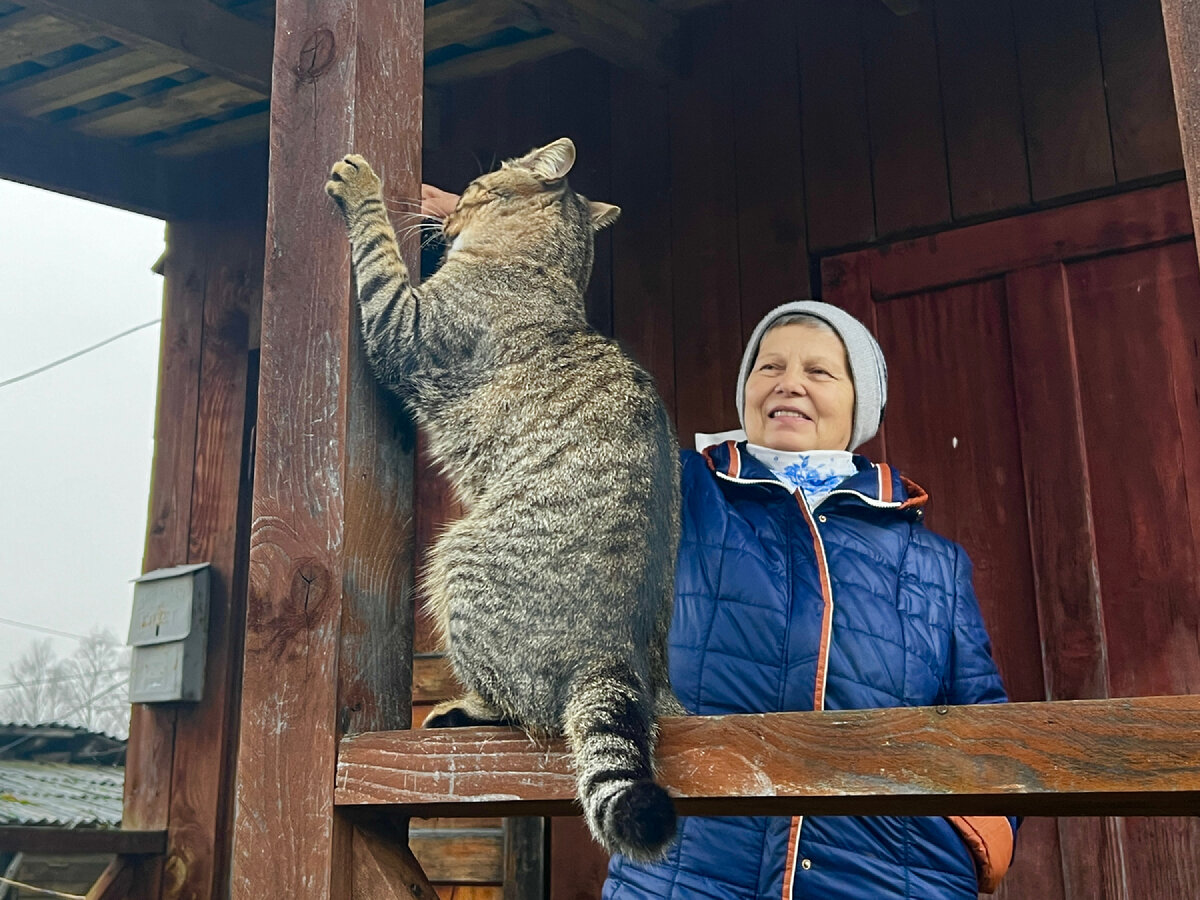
553,592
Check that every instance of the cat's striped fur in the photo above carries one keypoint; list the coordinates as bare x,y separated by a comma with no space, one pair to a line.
554,591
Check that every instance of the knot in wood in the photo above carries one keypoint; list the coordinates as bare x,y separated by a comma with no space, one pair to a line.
316,56
310,592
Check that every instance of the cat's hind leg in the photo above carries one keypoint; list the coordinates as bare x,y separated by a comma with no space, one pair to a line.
463,712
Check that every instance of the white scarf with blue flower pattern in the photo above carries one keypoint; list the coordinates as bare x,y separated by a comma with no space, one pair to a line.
812,472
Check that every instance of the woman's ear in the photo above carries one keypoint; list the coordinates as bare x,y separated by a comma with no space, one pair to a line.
603,214
552,162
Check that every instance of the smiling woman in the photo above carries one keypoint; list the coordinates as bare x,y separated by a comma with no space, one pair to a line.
76,439
806,580
799,394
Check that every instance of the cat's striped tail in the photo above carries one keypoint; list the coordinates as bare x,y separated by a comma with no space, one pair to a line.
610,729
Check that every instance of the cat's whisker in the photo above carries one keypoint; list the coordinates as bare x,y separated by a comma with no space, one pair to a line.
401,201
419,227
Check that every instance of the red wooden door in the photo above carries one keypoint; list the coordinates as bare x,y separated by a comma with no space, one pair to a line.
1045,389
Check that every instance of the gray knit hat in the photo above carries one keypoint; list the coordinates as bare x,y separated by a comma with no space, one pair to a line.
868,368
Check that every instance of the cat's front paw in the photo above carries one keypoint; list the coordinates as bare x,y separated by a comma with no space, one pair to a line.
352,182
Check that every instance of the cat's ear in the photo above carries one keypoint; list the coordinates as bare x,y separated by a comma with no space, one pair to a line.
603,214
551,162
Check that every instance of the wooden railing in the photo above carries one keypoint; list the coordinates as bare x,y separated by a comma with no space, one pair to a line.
1136,756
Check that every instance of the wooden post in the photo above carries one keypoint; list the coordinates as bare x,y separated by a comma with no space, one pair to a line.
180,762
1181,21
328,632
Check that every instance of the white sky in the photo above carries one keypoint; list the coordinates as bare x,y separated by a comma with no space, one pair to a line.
75,441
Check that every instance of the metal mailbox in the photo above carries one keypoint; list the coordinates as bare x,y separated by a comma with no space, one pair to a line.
169,634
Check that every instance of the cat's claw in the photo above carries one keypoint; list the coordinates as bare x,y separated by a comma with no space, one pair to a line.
352,181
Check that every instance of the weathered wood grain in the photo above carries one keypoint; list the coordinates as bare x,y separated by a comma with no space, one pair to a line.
85,79
643,317
1130,757
1135,218
837,146
328,565
704,264
1058,496
466,21
952,428
631,34
497,59
771,231
151,749
526,858
1139,313
846,282
383,868
232,133
908,145
1137,86
1062,95
115,881
202,35
578,865
459,855
163,109
205,746
981,99
29,33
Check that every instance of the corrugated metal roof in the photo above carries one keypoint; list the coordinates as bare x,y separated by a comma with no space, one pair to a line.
61,794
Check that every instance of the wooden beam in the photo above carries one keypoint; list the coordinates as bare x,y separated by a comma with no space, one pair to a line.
383,868
1149,215
203,35
460,855
1181,22
87,78
497,59
526,858
115,882
60,160
1071,758
466,21
631,34
329,623
78,841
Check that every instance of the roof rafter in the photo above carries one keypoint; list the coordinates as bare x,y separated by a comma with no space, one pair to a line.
203,35
631,34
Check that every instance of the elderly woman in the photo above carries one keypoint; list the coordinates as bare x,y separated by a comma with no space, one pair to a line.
807,581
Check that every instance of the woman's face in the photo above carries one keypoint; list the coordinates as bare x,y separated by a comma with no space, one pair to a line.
799,394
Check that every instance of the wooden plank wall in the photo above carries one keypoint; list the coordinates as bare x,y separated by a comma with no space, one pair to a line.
800,128
180,768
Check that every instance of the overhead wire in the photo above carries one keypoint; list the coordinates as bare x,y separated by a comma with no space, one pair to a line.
78,353
43,628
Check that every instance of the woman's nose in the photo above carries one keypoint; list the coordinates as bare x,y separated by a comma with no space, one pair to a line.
792,382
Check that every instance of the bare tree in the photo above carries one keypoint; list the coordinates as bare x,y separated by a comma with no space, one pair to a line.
89,688
35,692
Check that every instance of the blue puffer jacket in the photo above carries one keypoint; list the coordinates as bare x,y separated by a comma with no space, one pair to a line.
754,631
